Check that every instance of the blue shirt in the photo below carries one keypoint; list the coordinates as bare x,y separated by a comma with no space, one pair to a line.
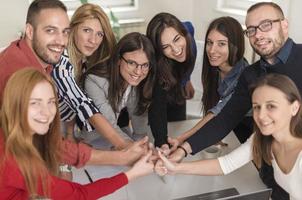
227,86
189,27
281,56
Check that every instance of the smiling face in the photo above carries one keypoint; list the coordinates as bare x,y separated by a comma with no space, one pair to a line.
272,111
174,45
42,108
217,49
131,74
267,44
89,36
48,37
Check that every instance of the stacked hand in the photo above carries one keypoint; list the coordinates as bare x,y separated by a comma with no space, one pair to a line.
146,158
136,150
164,165
142,167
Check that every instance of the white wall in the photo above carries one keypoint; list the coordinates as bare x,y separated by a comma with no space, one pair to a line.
294,17
12,17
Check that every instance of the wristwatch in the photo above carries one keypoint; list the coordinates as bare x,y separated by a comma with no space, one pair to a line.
65,168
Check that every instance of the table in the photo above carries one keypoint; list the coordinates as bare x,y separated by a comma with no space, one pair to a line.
152,187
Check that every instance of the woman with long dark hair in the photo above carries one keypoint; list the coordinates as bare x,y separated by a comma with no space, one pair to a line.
175,56
125,81
223,63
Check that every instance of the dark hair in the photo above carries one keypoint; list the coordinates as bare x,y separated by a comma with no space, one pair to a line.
272,4
128,43
37,5
262,145
230,28
170,72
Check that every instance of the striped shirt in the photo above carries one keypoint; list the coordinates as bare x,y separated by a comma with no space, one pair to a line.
73,102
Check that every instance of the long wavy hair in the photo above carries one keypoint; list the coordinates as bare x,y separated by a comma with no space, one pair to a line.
231,29
128,43
170,72
103,53
262,145
37,156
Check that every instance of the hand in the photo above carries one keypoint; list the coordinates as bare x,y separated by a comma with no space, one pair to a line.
136,150
165,149
154,156
166,165
126,144
189,90
141,168
177,155
174,142
159,168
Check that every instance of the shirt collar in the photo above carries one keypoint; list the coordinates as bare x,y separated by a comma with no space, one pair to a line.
236,69
282,55
28,52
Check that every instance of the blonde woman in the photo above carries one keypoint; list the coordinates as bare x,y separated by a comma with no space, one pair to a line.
91,42
91,39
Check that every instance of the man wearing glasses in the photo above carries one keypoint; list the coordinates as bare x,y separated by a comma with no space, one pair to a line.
267,30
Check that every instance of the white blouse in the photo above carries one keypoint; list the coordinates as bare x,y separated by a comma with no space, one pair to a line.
291,182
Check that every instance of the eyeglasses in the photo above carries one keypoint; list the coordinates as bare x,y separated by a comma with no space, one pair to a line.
264,26
134,65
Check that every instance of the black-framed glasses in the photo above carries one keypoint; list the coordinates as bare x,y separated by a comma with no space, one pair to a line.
264,26
134,65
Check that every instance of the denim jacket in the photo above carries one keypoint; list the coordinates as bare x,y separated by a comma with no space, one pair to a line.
227,86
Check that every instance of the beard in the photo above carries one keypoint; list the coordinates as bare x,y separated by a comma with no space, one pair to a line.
275,46
42,51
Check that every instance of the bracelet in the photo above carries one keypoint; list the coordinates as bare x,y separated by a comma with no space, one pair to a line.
65,168
181,147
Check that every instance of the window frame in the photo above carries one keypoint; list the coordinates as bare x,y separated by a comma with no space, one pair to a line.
237,7
120,6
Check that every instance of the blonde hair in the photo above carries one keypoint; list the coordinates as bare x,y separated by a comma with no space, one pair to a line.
103,53
36,155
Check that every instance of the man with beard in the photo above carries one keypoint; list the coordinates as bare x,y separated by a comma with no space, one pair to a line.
46,36
267,30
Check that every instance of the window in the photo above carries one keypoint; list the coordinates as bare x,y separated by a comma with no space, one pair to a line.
114,5
238,7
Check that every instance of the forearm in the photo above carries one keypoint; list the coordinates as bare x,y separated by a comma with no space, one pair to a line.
201,167
99,157
221,125
193,130
158,125
101,124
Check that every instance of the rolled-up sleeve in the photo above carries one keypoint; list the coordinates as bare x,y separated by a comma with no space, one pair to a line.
72,100
221,103
75,154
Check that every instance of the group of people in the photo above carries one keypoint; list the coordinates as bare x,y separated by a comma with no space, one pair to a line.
63,75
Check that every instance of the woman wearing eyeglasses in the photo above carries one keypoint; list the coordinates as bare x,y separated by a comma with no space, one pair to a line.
125,81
